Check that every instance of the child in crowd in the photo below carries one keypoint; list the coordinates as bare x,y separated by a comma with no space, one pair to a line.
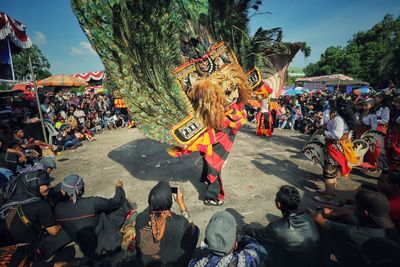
110,121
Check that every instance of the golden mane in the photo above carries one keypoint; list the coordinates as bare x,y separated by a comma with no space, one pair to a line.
208,95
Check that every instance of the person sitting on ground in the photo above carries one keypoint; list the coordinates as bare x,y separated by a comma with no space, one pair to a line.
342,240
223,249
292,240
5,149
94,223
46,164
10,161
31,154
390,185
66,138
162,236
110,121
26,215
27,145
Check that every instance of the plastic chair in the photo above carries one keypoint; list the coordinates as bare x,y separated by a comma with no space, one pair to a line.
51,131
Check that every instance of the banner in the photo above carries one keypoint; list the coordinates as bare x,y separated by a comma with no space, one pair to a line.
5,61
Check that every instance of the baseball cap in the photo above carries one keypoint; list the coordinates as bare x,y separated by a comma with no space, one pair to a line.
221,233
377,206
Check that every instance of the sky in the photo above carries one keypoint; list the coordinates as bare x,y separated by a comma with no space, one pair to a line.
53,27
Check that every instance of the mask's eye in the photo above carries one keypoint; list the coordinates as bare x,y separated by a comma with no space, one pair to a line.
228,92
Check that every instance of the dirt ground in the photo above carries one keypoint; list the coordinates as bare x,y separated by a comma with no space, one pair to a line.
254,171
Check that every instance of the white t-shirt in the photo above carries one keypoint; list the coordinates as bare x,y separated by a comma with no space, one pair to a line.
80,115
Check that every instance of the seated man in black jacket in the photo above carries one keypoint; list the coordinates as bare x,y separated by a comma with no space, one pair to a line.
92,222
347,242
292,240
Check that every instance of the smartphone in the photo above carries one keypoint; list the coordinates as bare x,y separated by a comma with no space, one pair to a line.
174,190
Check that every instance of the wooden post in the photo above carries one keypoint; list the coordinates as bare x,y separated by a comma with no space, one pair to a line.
37,98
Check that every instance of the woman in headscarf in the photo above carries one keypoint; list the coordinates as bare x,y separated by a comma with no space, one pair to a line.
162,236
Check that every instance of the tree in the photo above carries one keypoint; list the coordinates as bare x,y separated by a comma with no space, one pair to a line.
40,64
372,56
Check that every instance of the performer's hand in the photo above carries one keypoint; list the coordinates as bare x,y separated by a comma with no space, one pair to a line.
119,183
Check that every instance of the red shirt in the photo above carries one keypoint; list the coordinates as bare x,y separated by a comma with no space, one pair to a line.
395,210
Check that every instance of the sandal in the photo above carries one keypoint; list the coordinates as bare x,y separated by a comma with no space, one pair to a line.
212,202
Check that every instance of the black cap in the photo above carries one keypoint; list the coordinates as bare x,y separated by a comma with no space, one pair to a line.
377,206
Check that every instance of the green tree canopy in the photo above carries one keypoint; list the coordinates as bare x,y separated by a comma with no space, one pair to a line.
372,56
40,63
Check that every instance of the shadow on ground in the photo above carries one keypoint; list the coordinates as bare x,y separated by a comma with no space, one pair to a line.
296,142
148,160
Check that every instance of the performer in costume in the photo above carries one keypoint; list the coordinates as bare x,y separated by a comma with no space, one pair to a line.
367,120
265,122
392,140
339,152
230,91
141,45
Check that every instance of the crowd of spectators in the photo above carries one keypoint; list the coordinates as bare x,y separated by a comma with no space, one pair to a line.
42,225
309,112
75,117
44,221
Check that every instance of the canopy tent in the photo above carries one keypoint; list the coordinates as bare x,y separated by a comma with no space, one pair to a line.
13,39
22,86
295,91
90,76
325,78
14,31
334,79
62,81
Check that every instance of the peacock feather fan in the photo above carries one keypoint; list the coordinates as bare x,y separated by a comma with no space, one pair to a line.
141,42
138,43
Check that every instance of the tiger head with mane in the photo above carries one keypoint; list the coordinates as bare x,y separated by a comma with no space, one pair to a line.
213,96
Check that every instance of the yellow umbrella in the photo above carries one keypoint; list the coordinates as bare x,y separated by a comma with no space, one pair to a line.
62,80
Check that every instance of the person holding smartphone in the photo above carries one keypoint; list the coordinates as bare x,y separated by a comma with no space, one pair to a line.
162,236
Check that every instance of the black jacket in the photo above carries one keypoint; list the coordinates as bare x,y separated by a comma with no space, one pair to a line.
292,240
176,246
93,222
